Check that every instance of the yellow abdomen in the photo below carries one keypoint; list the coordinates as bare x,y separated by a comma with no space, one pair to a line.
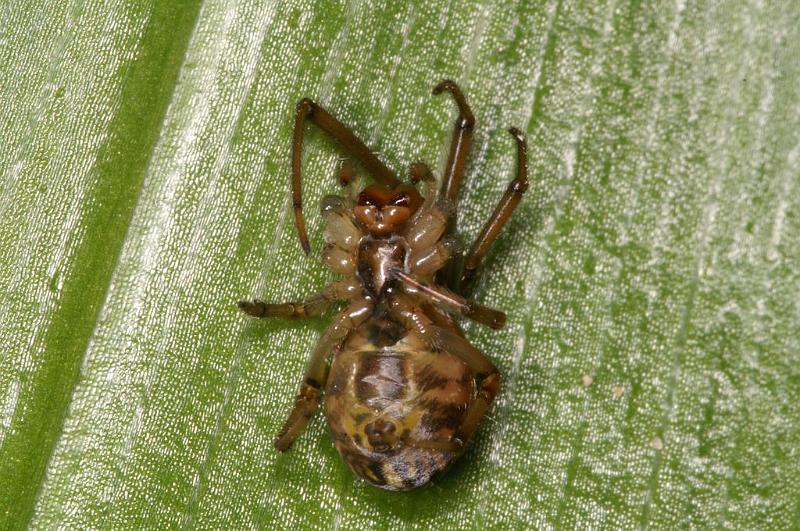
395,410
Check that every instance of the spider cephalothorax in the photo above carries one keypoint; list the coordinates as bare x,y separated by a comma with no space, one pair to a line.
406,390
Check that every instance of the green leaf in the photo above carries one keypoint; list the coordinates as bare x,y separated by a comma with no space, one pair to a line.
650,275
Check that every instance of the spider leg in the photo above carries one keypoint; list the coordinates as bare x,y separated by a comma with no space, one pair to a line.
402,308
486,374
315,305
308,397
425,262
499,217
307,110
452,301
462,139
308,308
451,183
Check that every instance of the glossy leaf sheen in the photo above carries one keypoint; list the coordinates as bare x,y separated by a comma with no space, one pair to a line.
650,276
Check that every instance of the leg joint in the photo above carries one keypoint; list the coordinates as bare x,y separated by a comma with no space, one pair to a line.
465,122
518,186
306,107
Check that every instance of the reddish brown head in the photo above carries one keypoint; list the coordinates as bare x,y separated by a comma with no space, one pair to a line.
383,210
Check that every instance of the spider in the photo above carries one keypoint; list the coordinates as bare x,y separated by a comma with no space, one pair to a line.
405,390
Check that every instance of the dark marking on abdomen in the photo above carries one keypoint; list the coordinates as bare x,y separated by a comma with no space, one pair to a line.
429,378
440,415
380,377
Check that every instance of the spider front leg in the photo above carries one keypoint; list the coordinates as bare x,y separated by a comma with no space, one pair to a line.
499,217
459,147
451,183
308,110
308,397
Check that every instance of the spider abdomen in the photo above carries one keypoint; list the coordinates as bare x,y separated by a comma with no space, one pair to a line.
395,410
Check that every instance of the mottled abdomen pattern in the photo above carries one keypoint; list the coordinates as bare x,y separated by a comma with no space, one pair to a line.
395,410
